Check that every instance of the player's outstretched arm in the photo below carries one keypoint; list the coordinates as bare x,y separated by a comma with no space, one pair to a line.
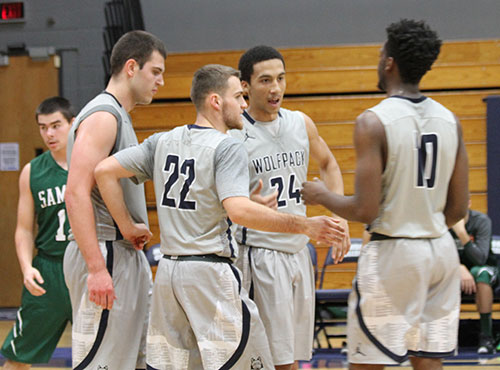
330,173
369,140
243,211
24,234
108,174
95,139
458,189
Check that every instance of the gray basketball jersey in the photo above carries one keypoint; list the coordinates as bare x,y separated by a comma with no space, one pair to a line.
133,194
194,169
422,144
281,162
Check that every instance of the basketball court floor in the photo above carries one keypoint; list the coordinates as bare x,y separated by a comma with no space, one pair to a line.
322,359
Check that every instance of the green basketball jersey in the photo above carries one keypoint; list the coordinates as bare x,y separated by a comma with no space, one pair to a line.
48,184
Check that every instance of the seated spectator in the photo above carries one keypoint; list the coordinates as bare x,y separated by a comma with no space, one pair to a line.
478,270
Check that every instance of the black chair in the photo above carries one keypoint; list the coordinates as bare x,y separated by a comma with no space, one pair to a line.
327,298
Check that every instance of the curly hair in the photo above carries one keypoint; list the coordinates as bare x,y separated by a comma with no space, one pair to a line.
255,55
414,47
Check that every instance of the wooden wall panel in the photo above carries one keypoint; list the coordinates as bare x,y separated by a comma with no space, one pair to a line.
24,84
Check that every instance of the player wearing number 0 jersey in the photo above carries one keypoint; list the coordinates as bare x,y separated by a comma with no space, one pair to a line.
45,305
201,316
411,186
416,163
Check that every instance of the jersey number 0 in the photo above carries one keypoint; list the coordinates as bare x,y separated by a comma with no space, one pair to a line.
427,150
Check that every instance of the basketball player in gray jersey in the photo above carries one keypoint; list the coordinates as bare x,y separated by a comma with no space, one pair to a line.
201,316
277,267
109,278
411,186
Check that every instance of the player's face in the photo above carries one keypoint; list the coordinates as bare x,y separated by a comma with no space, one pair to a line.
266,89
54,130
233,104
381,66
148,79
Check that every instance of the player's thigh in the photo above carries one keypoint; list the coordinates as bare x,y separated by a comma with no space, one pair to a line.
273,276
303,306
221,315
98,333
170,340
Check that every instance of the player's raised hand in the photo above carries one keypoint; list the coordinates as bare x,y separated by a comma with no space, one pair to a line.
313,191
270,200
31,276
138,235
100,287
324,229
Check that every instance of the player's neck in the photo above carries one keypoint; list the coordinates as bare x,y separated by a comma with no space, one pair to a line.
60,157
206,121
406,90
121,92
261,115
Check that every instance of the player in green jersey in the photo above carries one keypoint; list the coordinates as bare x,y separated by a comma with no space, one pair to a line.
45,305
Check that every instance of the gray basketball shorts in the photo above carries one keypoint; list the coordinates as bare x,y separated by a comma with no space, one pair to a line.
202,318
282,286
405,301
116,338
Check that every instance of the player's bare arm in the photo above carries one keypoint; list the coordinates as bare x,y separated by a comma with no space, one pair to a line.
243,211
94,141
458,189
369,140
330,173
108,174
467,283
24,237
461,232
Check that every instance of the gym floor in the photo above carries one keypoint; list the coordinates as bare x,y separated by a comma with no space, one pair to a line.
322,359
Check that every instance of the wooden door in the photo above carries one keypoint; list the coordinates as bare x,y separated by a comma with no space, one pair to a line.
24,83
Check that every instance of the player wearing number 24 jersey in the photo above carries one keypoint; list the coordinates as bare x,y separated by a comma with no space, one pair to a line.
45,304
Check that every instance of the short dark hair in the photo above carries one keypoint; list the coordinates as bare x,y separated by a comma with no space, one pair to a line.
56,104
137,45
255,55
414,47
210,78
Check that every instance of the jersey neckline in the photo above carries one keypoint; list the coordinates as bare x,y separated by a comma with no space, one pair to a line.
413,100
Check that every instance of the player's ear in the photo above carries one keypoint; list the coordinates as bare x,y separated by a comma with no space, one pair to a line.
245,86
215,101
130,67
389,63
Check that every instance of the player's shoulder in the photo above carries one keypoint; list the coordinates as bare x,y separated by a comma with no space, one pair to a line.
42,159
479,216
291,114
229,140
229,144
